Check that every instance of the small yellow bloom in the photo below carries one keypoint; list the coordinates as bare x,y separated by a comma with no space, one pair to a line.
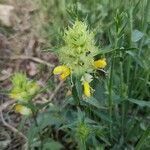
22,110
87,90
63,71
101,63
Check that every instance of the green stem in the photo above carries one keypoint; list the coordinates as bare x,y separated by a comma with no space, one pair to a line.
82,145
129,61
142,139
121,96
36,124
110,100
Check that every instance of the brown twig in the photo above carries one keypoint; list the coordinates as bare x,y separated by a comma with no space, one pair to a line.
3,78
23,57
51,96
55,91
14,129
5,105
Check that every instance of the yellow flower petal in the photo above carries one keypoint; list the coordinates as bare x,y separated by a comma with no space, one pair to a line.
64,75
58,70
101,63
63,71
87,91
22,110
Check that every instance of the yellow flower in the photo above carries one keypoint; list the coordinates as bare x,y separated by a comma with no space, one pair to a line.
87,91
63,71
22,110
101,63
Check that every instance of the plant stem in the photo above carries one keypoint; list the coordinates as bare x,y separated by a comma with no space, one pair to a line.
142,139
129,60
36,124
82,145
110,101
121,96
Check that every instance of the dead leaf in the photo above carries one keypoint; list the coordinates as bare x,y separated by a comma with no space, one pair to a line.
32,69
6,15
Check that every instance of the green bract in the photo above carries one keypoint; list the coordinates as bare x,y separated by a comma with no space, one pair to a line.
83,131
79,49
22,88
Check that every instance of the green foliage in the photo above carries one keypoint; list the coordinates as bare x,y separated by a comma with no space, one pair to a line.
117,115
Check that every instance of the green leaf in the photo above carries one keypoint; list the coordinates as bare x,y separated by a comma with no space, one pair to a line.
136,35
79,88
140,102
32,133
102,115
137,59
49,118
94,102
106,51
50,144
76,90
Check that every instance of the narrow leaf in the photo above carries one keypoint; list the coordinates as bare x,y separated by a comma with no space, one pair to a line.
140,102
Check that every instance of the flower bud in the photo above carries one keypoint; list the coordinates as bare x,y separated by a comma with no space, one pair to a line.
23,110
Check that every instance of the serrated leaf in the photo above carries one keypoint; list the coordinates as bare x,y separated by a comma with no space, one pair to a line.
49,118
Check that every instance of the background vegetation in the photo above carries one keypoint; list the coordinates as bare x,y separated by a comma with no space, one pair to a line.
117,116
